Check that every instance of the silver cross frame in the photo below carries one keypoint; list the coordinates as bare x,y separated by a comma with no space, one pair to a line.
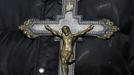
103,28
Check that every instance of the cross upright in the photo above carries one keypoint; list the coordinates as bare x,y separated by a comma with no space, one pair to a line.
103,28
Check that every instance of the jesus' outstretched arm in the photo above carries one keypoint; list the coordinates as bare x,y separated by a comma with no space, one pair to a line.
80,33
54,32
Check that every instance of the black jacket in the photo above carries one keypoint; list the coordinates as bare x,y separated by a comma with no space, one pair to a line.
20,55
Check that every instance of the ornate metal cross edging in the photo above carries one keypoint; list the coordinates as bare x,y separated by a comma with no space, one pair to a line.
103,28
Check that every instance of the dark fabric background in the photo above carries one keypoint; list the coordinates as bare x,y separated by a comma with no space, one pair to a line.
15,12
20,55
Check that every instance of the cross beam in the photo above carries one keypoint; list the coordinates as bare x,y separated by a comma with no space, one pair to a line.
103,28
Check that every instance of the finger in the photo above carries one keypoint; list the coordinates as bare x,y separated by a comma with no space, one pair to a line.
45,24
91,26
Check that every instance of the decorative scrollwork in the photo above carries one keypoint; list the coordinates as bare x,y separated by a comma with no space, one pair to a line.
25,29
69,5
111,29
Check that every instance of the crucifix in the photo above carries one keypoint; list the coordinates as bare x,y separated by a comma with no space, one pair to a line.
68,27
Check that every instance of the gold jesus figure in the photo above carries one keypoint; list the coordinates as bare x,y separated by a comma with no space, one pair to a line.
66,52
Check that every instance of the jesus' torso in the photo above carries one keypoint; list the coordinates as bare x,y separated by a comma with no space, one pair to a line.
68,42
